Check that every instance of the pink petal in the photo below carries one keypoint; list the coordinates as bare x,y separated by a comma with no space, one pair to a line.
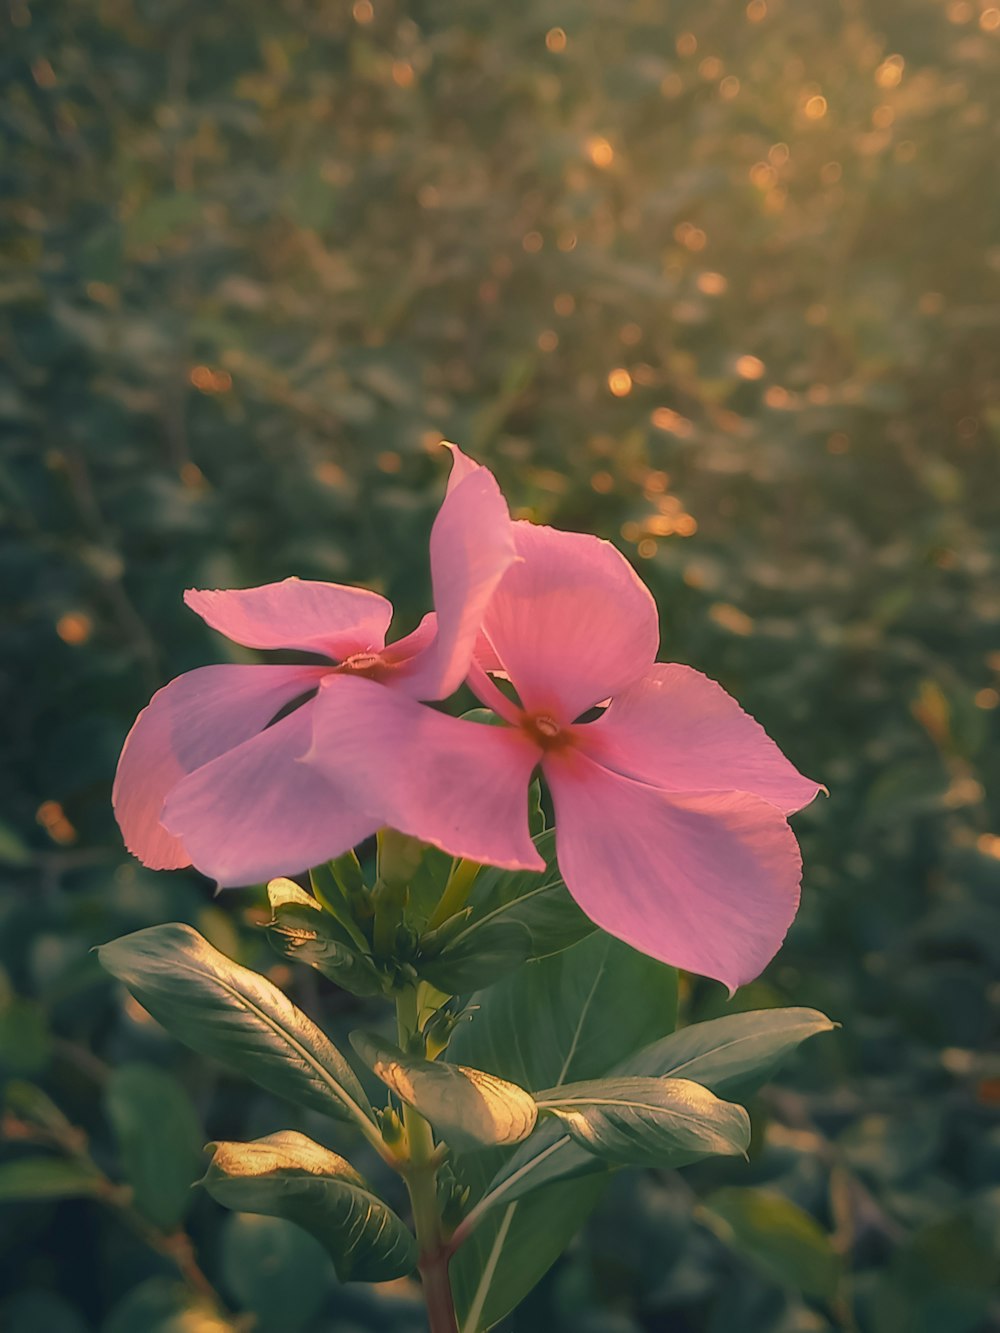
256,811
402,650
472,547
572,623
677,729
462,466
297,613
192,720
708,881
460,786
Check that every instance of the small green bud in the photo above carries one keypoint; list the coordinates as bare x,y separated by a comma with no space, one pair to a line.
391,1125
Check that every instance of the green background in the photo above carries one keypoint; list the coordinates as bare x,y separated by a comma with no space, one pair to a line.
719,282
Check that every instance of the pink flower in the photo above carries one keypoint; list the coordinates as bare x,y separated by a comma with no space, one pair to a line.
208,775
670,806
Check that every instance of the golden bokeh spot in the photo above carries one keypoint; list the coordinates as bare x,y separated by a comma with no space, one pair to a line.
959,11
816,107
532,242
671,85
52,818
631,531
818,394
656,482
756,11
989,20
778,154
403,74
776,396
566,241
882,117
987,698
600,151
564,304
555,40
207,380
74,627
762,175
838,443
548,340
750,367
647,548
685,525
712,284
489,291
602,482
731,618
831,173
890,73
666,419
192,477
43,73
429,196
729,87
389,461
620,382
630,334
363,11
710,68
331,474
686,44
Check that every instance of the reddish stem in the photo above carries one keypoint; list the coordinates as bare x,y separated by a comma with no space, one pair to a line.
437,1292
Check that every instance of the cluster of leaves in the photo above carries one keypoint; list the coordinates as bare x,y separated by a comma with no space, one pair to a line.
720,283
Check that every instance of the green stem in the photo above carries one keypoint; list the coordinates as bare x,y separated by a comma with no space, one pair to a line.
456,891
420,1174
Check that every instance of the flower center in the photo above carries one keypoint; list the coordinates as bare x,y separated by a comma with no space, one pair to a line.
362,664
545,731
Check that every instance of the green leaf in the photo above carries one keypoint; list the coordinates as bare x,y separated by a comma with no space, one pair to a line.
494,1271
469,1108
159,1139
514,917
303,932
580,1008
288,1175
648,1121
778,1237
584,1008
737,1053
47,1178
238,1017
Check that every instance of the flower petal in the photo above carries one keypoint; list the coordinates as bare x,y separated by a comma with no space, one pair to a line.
462,466
460,786
297,613
572,623
189,722
472,547
677,729
257,812
706,881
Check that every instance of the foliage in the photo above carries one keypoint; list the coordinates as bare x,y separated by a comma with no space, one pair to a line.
719,283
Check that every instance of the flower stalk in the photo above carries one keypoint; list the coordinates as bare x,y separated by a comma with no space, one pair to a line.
420,1175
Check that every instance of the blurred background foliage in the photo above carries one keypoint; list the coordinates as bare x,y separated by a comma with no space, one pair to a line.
718,281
